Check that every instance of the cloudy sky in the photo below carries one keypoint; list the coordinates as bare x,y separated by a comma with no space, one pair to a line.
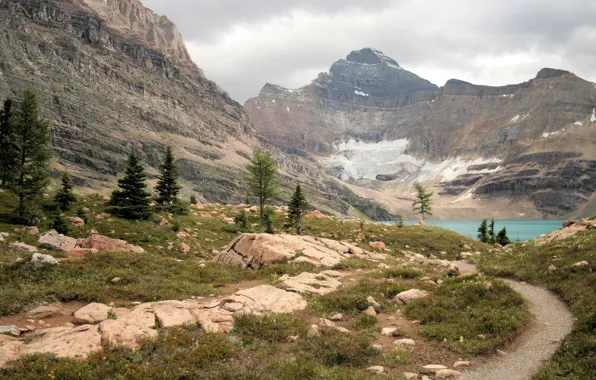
243,44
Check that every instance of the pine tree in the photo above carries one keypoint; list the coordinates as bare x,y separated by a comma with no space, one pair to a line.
132,200
8,154
31,173
296,209
492,236
60,225
167,185
269,212
422,205
65,197
483,232
262,180
502,237
193,199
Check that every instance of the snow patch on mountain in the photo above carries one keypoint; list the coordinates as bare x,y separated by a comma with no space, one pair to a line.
356,160
361,93
593,118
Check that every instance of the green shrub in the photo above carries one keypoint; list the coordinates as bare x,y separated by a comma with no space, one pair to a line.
60,225
334,348
270,328
397,357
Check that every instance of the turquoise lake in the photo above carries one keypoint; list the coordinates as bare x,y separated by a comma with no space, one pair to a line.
516,229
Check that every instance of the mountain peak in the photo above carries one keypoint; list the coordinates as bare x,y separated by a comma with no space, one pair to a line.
551,73
370,56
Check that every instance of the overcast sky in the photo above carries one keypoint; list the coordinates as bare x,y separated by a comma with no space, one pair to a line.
243,44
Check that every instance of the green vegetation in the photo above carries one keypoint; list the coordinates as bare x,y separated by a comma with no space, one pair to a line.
65,197
167,185
132,200
296,209
502,237
471,315
30,175
60,225
8,152
576,358
262,179
422,205
268,328
483,236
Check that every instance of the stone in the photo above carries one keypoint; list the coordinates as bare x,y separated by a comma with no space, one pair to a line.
32,230
92,313
552,268
404,342
184,248
42,312
173,313
9,349
76,221
40,261
128,329
318,283
116,280
268,298
581,264
383,266
378,245
390,331
313,332
370,312
372,302
432,368
410,295
569,223
410,375
467,247
66,342
376,370
81,252
377,347
446,374
54,241
12,330
462,363
337,317
316,214
106,244
182,235
22,247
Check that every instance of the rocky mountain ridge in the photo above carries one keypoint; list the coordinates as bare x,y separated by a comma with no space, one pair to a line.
378,127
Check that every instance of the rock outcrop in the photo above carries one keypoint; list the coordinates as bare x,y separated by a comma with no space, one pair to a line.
257,250
105,244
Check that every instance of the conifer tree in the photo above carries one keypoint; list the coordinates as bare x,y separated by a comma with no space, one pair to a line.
483,232
296,209
167,185
31,173
7,148
65,197
422,205
132,200
492,235
262,179
269,212
502,237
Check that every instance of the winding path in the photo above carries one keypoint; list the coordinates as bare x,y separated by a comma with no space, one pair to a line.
536,345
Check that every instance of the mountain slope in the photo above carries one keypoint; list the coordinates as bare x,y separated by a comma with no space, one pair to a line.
377,126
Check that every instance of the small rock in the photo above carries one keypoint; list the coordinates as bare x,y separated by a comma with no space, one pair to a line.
376,370
384,266
45,312
410,295
502,353
22,247
116,280
552,268
446,374
32,230
462,364
440,282
390,331
410,375
92,313
370,311
404,342
184,248
337,317
76,221
377,347
12,330
313,332
372,302
581,264
432,368
326,323
39,261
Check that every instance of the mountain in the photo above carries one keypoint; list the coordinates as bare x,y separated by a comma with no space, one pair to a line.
112,75
523,150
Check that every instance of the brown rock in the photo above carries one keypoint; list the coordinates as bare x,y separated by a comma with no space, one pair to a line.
22,247
42,312
80,252
268,298
410,295
370,311
9,349
316,214
184,248
54,241
174,313
126,330
552,268
311,283
92,313
76,221
569,223
106,244
32,230
378,245
66,342
446,374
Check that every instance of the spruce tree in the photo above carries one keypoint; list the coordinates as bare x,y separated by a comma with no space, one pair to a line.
262,179
167,185
8,154
502,237
132,200
65,197
483,232
296,209
31,173
422,205
492,236
269,212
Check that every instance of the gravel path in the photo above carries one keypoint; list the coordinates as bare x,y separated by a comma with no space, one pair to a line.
553,322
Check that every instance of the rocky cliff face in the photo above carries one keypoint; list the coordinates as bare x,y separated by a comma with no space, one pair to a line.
378,126
112,75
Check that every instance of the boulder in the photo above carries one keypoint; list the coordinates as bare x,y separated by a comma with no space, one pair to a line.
337,317
268,298
581,264
410,376
128,329
10,349
372,302
552,268
184,248
446,374
54,241
462,363
42,312
257,250
313,332
12,330
432,368
76,221
66,342
404,342
378,245
410,295
22,247
3,235
92,313
173,313
370,311
32,230
421,223
106,244
569,223
376,370
390,331
39,261
320,283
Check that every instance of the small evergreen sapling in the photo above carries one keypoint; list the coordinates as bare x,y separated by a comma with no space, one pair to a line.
132,200
65,197
502,237
240,220
60,225
167,184
297,209
483,232
193,199
492,235
269,212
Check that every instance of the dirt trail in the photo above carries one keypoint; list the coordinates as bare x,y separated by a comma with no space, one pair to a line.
536,345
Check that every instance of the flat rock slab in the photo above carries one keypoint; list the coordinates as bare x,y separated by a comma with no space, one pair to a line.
139,323
66,342
105,244
257,250
42,312
92,313
10,349
315,283
54,241
266,298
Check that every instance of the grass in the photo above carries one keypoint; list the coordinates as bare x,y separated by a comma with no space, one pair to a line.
471,315
576,358
269,328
